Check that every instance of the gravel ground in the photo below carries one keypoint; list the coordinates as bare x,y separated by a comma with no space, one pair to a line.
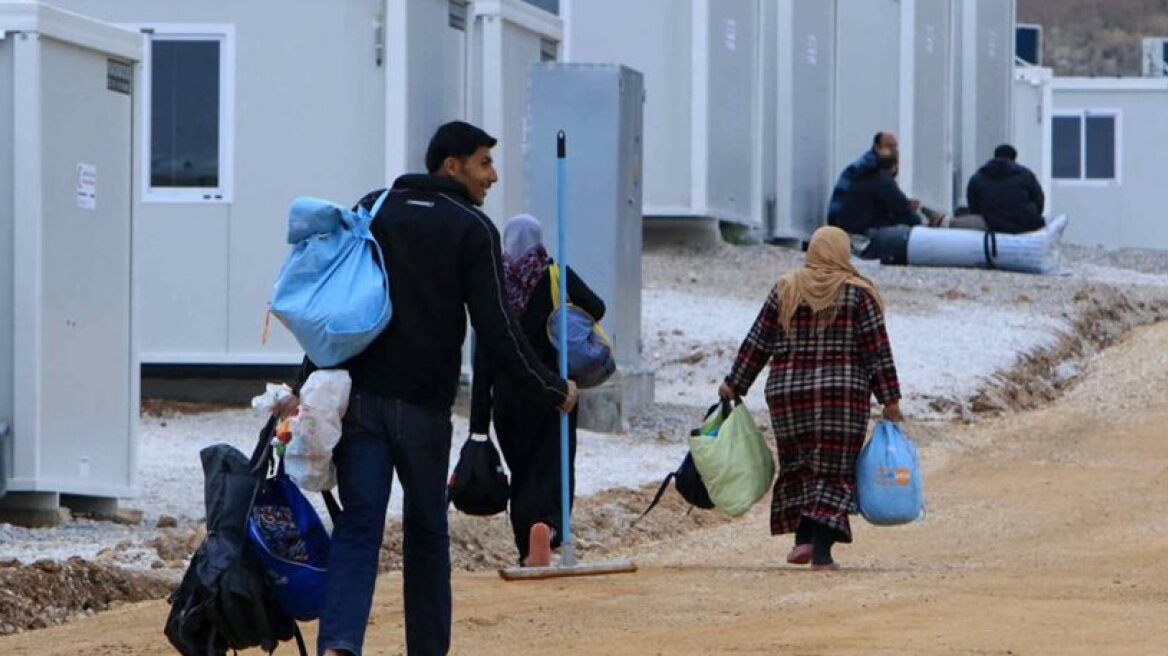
952,331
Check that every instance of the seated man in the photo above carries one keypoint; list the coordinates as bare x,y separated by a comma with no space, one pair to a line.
874,200
1003,196
884,147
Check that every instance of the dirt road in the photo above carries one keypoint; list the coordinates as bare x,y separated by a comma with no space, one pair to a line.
1047,534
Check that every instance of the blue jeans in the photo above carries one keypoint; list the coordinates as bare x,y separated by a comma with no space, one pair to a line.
380,436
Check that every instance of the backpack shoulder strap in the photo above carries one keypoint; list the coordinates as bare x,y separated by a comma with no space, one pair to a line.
554,280
656,497
377,206
330,503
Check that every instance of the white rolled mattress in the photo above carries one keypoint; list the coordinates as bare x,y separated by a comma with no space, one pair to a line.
1031,252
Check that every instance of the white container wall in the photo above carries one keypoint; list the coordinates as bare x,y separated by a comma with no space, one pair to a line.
985,29
509,36
701,63
68,365
598,106
895,72
283,98
804,52
426,47
1108,160
930,89
868,78
1033,105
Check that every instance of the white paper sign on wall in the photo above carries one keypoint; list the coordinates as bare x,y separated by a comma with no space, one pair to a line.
87,186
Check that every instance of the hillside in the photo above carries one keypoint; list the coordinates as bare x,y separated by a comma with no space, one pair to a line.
1095,37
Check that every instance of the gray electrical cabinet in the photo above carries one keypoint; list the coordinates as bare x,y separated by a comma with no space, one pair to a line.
69,383
599,108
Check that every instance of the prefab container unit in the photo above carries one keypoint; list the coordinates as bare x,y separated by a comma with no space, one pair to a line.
598,106
247,105
68,362
1033,104
894,72
1108,159
984,30
509,36
701,65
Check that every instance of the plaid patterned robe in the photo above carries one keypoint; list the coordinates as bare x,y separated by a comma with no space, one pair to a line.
819,394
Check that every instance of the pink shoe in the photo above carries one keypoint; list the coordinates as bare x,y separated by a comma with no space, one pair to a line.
539,546
800,554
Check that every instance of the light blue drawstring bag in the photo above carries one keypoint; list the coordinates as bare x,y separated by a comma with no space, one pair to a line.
332,292
888,478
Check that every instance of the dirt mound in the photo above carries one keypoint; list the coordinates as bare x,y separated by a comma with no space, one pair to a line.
601,525
1103,315
47,593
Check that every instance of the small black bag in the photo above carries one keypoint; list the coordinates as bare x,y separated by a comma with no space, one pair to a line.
686,478
478,485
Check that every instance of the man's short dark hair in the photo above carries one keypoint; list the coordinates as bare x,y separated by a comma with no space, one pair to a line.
876,139
1005,151
455,139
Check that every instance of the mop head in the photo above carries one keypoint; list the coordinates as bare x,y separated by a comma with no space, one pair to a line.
560,571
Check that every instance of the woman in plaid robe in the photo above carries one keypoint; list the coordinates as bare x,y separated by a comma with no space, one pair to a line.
822,331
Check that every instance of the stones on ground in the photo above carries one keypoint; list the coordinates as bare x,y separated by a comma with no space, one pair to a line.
954,294
167,521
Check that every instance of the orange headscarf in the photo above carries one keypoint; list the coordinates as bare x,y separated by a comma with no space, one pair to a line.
826,269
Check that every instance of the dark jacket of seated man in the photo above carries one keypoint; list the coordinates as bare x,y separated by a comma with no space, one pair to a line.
874,200
1007,195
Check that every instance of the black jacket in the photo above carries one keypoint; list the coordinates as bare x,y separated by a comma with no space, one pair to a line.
487,373
874,200
1007,196
444,259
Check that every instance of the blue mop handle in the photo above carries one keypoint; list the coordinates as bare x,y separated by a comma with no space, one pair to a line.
567,555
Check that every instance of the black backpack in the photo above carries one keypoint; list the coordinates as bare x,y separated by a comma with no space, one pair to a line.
686,478
226,601
478,485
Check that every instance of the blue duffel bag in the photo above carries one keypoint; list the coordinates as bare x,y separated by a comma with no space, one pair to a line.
292,545
332,293
888,478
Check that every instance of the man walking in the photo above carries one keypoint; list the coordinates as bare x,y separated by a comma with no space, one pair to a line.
443,257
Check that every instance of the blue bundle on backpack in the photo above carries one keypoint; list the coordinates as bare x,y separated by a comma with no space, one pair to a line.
888,478
332,292
590,360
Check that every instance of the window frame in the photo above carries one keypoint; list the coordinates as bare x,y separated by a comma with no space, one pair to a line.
1082,115
225,35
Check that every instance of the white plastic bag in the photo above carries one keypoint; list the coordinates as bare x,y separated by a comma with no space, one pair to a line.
317,429
272,395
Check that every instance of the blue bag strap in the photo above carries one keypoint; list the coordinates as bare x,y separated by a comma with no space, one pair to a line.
377,206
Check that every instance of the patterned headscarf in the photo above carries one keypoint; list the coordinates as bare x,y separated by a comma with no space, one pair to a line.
524,259
826,269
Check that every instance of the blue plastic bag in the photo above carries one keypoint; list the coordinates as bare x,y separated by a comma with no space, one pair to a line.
888,478
332,292
291,543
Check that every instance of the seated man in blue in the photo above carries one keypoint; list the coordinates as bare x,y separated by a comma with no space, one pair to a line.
884,147
875,201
